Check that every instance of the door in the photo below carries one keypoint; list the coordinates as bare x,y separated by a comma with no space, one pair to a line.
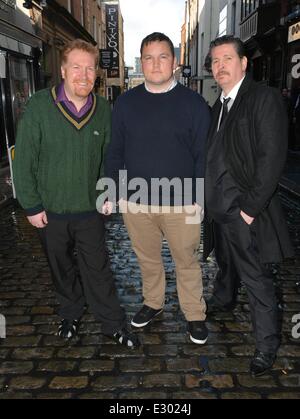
293,84
3,145
16,85
15,88
21,88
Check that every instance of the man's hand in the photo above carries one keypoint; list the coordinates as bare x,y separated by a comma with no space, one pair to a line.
107,208
249,220
199,211
39,220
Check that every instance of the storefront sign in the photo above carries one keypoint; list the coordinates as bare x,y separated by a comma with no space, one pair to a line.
186,71
294,32
296,67
106,59
112,33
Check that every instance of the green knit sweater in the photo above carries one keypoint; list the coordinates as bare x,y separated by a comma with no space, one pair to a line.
58,160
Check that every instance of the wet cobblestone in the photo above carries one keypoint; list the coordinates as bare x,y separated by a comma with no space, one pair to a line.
35,363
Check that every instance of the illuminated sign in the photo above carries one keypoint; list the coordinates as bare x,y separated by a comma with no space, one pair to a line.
294,32
296,67
113,42
106,58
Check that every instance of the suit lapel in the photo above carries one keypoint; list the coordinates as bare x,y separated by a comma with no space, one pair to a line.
246,85
217,109
243,90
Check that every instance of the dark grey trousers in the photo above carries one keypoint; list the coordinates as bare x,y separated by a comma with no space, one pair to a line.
238,259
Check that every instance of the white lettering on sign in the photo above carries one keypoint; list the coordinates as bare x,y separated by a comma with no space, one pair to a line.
294,32
296,67
113,41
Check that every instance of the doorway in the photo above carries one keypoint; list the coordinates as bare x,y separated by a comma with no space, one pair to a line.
15,89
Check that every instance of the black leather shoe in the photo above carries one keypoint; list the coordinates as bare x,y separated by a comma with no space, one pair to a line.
68,329
126,338
198,332
145,316
261,363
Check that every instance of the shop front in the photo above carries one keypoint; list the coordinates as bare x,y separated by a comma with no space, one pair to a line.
293,84
19,74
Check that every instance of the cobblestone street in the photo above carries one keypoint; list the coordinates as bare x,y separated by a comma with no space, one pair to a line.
37,364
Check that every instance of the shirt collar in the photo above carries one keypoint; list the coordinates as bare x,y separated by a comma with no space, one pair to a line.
171,87
62,97
61,94
233,93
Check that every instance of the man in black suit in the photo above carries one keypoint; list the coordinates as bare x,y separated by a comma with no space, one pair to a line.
246,154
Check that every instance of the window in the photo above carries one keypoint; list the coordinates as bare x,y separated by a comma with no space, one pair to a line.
82,12
223,21
233,17
249,6
70,6
95,29
100,36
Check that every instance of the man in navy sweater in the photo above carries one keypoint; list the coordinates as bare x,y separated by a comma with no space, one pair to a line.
159,135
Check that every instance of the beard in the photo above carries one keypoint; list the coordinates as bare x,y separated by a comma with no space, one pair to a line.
83,91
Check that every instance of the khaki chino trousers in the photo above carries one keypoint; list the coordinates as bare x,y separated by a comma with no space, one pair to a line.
147,226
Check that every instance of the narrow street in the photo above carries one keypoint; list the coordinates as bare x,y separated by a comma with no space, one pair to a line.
37,364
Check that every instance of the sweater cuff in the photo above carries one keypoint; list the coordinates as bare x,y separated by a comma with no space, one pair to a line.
34,211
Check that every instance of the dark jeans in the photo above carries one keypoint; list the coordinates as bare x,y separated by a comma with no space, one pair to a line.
96,288
238,260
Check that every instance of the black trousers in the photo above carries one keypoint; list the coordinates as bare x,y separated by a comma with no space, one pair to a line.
96,288
237,256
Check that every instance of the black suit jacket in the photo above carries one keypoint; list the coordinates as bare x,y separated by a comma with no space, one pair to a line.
255,138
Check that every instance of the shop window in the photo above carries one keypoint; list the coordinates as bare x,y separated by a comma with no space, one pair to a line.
20,86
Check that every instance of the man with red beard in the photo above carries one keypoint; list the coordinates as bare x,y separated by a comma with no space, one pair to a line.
60,148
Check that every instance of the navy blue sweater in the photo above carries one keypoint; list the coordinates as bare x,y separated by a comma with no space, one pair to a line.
158,136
